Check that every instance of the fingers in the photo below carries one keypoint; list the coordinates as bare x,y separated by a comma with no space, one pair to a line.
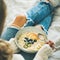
51,44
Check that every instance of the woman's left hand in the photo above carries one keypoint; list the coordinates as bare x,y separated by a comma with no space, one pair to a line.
51,44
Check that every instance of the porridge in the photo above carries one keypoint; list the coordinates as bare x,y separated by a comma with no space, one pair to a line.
31,41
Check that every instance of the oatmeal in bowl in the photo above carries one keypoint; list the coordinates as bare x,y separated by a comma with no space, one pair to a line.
30,39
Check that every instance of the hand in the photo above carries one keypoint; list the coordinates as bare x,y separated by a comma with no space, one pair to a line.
19,21
51,44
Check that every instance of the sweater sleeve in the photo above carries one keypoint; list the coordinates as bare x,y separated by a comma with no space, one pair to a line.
44,53
13,45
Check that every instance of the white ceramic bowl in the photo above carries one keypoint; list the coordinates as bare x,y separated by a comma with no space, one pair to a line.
28,29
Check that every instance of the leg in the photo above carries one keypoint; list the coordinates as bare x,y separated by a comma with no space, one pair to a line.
46,22
9,33
39,12
34,15
21,21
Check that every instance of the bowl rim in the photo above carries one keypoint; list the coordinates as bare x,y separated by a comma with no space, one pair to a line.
28,29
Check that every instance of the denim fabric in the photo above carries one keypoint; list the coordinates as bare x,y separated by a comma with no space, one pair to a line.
38,13
28,56
9,33
46,22
29,22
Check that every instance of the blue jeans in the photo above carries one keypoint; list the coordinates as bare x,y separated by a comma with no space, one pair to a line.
39,14
11,32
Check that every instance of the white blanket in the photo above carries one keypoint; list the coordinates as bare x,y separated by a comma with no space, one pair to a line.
54,33
15,7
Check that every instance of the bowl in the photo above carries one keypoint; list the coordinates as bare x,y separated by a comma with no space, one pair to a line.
30,39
